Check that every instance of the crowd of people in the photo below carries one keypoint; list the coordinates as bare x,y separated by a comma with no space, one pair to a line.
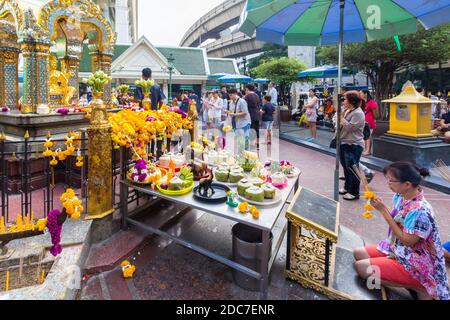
241,110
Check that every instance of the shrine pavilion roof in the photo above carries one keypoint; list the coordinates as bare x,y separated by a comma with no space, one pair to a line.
189,61
218,65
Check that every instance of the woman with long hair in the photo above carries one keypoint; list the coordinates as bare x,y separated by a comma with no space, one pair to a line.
413,256
352,142
311,114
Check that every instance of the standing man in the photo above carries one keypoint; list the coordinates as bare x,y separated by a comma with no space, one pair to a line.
240,117
254,108
157,96
258,92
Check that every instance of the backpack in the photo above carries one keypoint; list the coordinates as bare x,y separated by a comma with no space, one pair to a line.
366,132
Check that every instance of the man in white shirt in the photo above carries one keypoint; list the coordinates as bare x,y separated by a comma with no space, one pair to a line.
273,93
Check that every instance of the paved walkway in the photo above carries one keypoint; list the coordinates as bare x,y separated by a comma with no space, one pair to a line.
167,271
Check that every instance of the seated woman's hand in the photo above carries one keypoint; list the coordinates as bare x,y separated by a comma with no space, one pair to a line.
379,205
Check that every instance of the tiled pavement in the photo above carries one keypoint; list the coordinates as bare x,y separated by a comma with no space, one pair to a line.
167,271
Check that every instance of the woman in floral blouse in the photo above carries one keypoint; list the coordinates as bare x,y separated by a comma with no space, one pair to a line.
413,256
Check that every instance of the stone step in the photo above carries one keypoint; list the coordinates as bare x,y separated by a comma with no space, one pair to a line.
345,277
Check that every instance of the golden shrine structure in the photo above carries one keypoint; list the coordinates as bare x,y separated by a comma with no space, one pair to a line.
50,40
56,32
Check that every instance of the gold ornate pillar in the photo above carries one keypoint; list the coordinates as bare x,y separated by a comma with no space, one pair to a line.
9,77
102,61
100,162
36,74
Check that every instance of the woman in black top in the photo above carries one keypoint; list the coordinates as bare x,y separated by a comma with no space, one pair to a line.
268,109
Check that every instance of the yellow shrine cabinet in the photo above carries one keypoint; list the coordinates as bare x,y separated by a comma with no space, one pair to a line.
410,114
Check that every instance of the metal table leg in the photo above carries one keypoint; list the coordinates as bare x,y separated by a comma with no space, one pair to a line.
264,284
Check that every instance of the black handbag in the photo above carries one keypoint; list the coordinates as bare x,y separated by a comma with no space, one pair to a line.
367,132
333,144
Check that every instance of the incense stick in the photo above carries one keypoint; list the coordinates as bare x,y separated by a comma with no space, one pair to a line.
442,169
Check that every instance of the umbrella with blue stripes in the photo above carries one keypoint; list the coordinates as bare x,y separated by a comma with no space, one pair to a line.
235,78
324,72
217,75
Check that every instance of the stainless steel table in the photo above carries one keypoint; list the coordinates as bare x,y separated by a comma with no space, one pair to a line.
272,220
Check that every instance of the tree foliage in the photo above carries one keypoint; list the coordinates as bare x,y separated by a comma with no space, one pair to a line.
380,59
282,71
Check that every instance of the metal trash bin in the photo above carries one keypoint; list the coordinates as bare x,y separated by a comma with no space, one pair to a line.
247,251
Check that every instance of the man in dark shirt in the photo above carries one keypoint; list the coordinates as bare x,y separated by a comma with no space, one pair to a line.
258,92
254,108
157,96
268,109
225,94
444,125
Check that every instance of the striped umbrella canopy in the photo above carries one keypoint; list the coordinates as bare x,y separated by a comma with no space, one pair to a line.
316,22
217,75
262,81
327,22
235,78
324,72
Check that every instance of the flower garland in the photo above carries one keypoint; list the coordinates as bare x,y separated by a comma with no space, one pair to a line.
55,231
136,128
72,205
72,143
368,208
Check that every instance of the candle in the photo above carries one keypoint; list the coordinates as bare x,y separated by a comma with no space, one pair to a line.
26,222
2,225
43,276
19,222
7,281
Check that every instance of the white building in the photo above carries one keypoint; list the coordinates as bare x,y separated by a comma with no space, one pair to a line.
123,15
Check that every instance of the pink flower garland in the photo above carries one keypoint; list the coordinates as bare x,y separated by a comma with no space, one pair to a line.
55,231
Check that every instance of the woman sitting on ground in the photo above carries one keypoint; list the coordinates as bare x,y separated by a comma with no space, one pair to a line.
413,256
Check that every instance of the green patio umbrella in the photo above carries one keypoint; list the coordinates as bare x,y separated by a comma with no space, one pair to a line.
327,22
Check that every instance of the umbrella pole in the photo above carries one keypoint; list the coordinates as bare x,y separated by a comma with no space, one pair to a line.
338,129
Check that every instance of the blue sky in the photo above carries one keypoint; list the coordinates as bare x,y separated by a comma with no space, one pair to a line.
164,22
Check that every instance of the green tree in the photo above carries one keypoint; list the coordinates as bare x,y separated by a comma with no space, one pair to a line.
381,59
282,71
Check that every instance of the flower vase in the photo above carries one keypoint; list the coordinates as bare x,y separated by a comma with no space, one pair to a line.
99,115
147,102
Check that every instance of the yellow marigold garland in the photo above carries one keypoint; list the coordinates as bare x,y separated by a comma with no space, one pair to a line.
72,205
